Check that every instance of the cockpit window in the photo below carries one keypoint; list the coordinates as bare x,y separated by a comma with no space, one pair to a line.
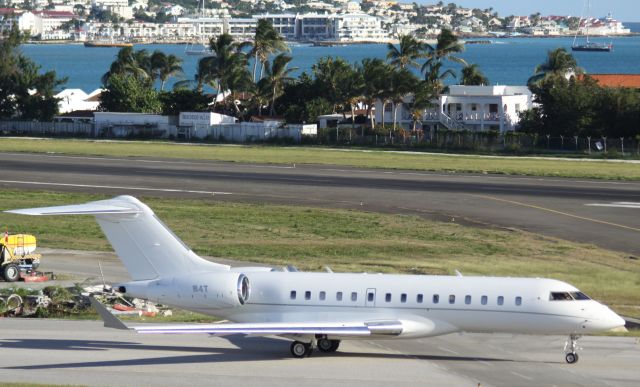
568,296
579,296
560,296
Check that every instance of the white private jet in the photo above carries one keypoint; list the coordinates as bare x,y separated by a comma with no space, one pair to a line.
318,310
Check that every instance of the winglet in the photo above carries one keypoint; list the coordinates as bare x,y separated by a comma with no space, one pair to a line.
110,321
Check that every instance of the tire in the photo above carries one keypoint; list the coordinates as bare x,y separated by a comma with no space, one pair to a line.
11,272
335,344
571,358
299,349
325,345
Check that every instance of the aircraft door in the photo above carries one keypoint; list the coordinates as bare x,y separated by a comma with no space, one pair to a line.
370,300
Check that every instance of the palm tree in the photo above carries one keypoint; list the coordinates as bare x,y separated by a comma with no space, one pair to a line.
406,53
374,75
435,77
267,41
278,75
165,66
447,45
226,64
472,76
127,62
559,61
403,82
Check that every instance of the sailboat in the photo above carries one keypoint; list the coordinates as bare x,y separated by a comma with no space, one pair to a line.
589,46
200,48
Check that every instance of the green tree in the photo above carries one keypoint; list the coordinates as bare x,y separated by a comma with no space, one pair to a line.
406,53
166,66
277,75
446,48
129,62
558,61
375,75
24,92
267,41
183,100
472,76
128,93
403,82
331,75
224,69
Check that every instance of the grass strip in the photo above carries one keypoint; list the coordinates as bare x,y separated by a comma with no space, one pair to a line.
312,155
345,240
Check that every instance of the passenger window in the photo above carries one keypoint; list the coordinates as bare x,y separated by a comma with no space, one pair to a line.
452,299
293,295
467,299
370,297
387,297
403,297
339,296
500,300
354,296
518,301
436,298
307,295
323,296
419,299
483,300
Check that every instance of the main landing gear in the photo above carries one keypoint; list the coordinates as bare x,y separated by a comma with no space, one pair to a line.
571,349
326,345
300,350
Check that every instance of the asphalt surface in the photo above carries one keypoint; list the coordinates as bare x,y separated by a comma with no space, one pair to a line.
604,213
84,352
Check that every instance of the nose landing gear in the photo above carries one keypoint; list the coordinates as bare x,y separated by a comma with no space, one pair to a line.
571,349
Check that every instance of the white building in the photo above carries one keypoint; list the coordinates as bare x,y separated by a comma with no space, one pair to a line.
285,24
76,99
358,27
476,108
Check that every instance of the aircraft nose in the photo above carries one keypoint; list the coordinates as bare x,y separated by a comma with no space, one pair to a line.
608,319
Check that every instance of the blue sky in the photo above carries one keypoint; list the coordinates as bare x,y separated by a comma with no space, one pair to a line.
623,10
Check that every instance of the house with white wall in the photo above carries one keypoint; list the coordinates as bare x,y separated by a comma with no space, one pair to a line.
475,108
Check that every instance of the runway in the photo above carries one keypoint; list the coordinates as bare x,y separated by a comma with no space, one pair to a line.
84,352
604,213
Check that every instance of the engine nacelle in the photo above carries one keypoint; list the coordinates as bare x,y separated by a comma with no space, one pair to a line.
205,290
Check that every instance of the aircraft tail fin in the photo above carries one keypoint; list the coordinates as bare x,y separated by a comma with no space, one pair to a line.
146,246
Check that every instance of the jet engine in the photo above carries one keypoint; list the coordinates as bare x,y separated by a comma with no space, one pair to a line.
204,290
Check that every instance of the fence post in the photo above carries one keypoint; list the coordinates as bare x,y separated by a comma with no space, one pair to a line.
548,138
604,139
576,138
589,142
622,145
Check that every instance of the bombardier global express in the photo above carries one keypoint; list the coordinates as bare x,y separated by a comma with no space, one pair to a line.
318,310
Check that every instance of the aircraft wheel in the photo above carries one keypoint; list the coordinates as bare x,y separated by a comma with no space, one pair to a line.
571,357
334,345
300,349
325,345
11,272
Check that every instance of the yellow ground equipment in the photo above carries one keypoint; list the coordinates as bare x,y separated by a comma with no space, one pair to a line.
17,254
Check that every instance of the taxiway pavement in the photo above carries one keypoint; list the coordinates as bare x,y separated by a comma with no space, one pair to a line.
84,352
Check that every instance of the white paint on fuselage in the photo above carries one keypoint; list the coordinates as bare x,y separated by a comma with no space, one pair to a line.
271,301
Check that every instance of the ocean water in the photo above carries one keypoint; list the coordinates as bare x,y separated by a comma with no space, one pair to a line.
505,61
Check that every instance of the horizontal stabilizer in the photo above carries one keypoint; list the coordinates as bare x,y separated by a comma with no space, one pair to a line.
110,321
105,207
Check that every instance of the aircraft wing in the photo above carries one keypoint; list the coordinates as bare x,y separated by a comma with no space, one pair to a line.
380,327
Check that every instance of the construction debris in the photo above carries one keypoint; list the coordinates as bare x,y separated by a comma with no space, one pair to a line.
55,301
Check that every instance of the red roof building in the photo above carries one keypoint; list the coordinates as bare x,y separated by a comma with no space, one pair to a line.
617,80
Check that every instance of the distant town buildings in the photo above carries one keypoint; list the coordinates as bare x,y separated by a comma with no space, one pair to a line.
337,20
